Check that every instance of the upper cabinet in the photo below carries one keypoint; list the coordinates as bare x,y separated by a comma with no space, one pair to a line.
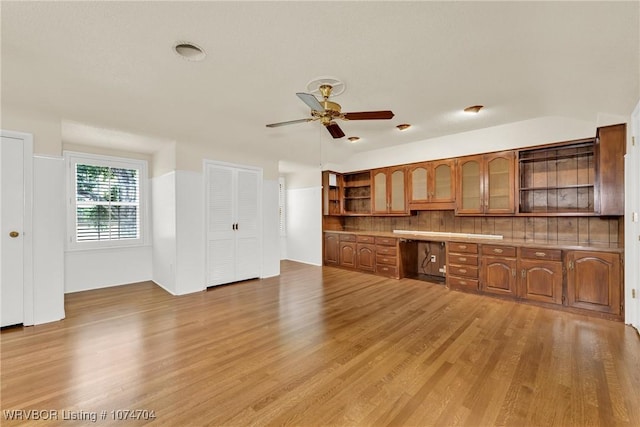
432,185
581,177
610,150
584,177
486,184
331,194
557,180
356,190
389,191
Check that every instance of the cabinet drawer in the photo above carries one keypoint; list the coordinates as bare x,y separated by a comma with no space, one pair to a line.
386,241
463,259
387,260
386,250
365,239
387,270
347,237
465,271
507,251
466,248
538,253
463,283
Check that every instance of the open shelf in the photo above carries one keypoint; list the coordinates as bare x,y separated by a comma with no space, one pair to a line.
558,179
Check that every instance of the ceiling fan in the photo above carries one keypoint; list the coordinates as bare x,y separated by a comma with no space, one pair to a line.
327,111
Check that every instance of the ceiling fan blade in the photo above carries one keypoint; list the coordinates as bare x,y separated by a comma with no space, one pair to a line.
369,115
291,122
311,101
335,130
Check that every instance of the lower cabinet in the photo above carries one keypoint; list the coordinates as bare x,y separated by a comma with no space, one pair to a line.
577,279
594,281
366,253
462,266
540,277
498,270
387,257
588,281
331,249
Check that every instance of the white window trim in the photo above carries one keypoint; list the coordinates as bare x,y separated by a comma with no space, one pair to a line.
71,158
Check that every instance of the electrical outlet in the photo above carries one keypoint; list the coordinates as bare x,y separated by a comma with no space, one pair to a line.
433,258
634,217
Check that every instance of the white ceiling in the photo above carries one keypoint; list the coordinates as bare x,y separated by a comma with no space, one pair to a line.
110,65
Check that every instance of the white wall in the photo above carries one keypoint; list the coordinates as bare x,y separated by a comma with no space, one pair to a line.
190,233
632,224
163,234
270,228
48,238
304,225
102,268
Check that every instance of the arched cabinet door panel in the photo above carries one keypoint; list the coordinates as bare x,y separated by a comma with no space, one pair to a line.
594,281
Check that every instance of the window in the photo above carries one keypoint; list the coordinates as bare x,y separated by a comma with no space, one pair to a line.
281,206
106,197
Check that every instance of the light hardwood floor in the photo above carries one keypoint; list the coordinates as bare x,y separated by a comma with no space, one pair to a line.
321,346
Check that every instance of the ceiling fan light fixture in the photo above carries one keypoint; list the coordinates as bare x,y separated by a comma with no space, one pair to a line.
189,51
353,139
474,109
403,126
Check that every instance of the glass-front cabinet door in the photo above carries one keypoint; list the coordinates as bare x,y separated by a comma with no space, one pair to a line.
419,183
442,182
499,186
431,185
380,204
470,186
397,199
389,191
486,184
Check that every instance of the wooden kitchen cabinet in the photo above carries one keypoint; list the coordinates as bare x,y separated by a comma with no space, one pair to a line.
387,257
356,193
389,188
611,144
540,275
348,250
594,281
462,266
366,253
331,249
331,193
431,185
498,270
485,184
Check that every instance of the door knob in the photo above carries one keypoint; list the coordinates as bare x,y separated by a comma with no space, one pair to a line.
14,234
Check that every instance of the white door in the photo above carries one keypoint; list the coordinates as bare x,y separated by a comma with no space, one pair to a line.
220,225
248,253
12,229
233,224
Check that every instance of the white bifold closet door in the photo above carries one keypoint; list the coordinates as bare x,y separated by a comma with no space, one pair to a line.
233,224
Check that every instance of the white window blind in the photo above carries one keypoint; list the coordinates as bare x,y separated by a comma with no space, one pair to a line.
105,199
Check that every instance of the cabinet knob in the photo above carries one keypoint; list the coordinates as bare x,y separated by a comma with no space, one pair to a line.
498,251
13,234
541,254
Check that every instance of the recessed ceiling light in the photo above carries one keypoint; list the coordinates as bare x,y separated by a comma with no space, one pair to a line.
189,51
354,139
473,109
403,126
